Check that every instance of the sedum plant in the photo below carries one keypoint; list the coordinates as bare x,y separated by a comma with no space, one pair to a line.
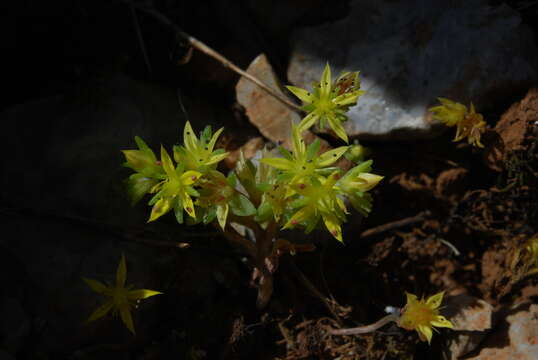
469,124
329,102
299,188
121,299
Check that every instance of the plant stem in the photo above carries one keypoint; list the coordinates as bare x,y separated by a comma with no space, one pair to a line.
197,44
367,328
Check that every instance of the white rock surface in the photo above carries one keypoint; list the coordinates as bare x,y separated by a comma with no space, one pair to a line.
411,52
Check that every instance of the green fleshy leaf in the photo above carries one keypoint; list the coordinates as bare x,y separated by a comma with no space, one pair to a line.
139,185
205,136
232,179
264,212
329,157
209,215
285,153
264,187
313,149
178,210
241,205
155,198
222,215
365,166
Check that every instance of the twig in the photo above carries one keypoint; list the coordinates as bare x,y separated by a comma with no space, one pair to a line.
197,44
395,224
367,328
450,246
308,284
124,234
140,38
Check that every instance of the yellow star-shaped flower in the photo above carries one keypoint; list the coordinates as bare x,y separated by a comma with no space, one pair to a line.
422,315
469,123
197,154
304,162
121,299
329,102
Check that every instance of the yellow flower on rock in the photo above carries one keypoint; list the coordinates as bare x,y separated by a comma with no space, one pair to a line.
469,123
328,102
121,299
423,315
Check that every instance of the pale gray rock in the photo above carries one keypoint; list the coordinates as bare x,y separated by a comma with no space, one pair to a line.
514,337
472,319
411,52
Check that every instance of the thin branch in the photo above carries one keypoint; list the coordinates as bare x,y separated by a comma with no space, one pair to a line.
132,235
367,328
197,44
395,224
140,38
308,284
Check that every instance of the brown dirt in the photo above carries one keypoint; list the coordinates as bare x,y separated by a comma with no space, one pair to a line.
479,215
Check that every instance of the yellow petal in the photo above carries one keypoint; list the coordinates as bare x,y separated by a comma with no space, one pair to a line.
331,222
297,218
222,214
168,165
279,163
434,301
425,332
101,311
441,321
302,94
299,146
188,204
190,177
125,315
96,286
142,294
337,127
213,140
121,273
161,207
368,181
216,158
308,121
329,157
189,138
325,82
411,299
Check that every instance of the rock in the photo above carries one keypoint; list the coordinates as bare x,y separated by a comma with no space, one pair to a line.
268,114
272,118
65,150
411,52
514,337
512,131
517,121
472,318
69,217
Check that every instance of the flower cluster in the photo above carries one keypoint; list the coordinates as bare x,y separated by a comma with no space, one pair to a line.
469,124
329,102
299,189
